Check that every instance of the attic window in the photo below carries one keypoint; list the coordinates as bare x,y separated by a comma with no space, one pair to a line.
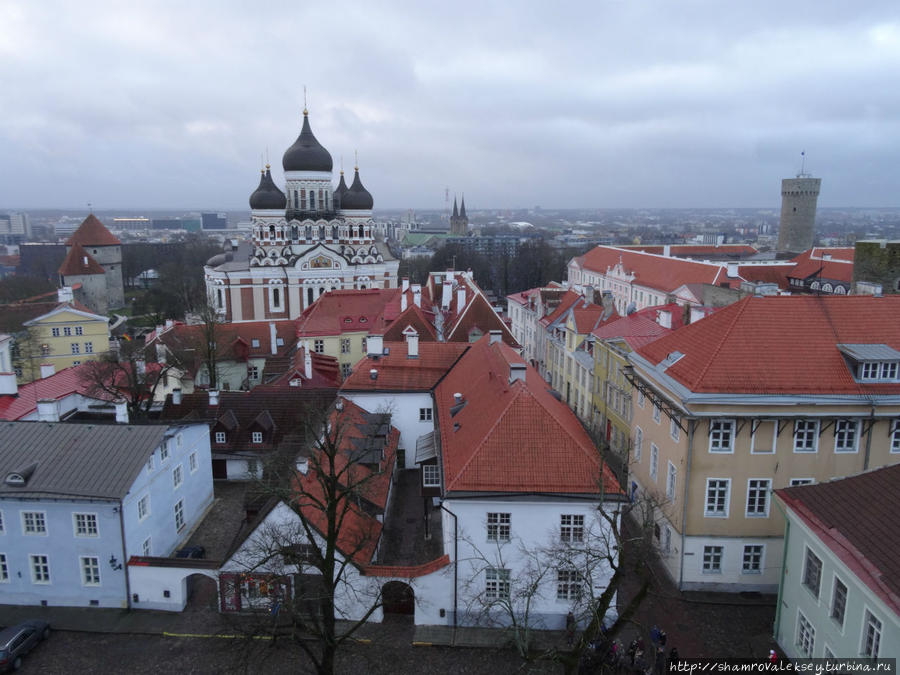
256,437
15,479
347,319
363,319
279,342
872,362
254,343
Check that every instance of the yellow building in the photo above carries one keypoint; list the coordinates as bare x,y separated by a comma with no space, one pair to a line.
764,394
67,335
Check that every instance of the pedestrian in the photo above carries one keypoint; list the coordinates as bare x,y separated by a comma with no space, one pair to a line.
662,638
673,658
570,628
773,657
654,635
659,665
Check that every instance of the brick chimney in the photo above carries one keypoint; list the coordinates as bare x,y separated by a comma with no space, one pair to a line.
47,370
417,294
176,396
374,345
213,397
48,410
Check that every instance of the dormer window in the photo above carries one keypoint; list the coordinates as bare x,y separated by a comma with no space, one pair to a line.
872,362
220,437
256,437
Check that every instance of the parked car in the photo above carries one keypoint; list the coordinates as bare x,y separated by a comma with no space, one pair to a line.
17,641
190,552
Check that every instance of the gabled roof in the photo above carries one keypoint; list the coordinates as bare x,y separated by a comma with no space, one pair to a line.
92,232
291,369
346,311
78,261
512,437
566,301
835,264
412,316
73,307
398,372
658,272
66,382
856,518
780,345
698,250
75,460
776,273
639,327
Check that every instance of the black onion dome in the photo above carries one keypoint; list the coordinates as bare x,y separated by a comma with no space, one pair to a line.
339,192
306,154
267,195
356,197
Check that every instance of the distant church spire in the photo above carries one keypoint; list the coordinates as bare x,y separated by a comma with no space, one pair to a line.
462,207
455,210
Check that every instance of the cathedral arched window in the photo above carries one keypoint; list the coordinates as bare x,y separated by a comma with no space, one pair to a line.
302,199
293,233
321,290
321,199
309,296
296,201
312,200
321,232
271,233
828,288
334,232
308,232
360,231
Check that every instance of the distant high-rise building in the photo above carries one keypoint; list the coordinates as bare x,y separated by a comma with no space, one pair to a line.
798,213
214,221
459,222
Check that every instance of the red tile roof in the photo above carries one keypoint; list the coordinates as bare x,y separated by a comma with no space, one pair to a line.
92,232
780,345
515,437
346,311
730,250
325,369
639,327
66,382
772,274
656,271
78,261
397,372
857,519
839,267
568,299
415,317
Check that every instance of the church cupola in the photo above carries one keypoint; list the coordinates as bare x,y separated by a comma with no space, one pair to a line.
340,191
357,198
267,196
306,154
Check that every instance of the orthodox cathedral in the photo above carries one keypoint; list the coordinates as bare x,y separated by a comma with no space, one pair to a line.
308,239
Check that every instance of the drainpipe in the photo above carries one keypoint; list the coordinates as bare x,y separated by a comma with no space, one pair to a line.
455,564
787,532
124,558
869,438
687,492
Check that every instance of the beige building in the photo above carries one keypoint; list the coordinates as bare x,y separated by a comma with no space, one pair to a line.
764,394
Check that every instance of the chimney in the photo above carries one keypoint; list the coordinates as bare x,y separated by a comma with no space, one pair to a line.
517,372
273,338
141,366
65,294
169,323
446,294
303,465
373,373
48,410
47,370
412,345
214,397
495,336
84,261
307,363
732,269
667,251
161,353
403,302
374,345
697,314
664,318
826,256
460,299
8,384
457,398
121,411
405,286
176,396
417,294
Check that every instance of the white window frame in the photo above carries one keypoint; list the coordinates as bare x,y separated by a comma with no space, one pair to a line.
499,526
834,594
840,427
180,523
90,570
431,476
177,476
717,428
345,345
674,430
640,399
571,528
256,437
426,414
895,437
754,490
4,569
657,414
163,451
79,330
870,621
638,444
220,437
143,507
569,584
67,331
87,520
319,346
39,524
806,635
42,559
671,481
147,547
762,558
719,513
276,306
496,583
75,347
714,565
795,482
88,347
754,450
815,592
192,462
654,462
816,425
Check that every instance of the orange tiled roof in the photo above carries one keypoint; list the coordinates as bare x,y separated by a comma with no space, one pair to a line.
78,261
839,267
780,345
733,250
397,372
92,232
415,317
512,437
346,311
568,299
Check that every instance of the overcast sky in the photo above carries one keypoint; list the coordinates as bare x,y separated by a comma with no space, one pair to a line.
605,103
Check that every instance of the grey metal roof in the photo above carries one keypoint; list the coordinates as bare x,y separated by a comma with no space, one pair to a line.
870,352
425,448
75,460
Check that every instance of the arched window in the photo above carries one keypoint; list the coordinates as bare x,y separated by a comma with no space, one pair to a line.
321,290
309,296
814,285
308,232
334,232
312,200
296,202
302,199
271,233
360,231
828,288
293,233
840,290
322,232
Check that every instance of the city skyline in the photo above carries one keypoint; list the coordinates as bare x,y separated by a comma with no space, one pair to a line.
609,105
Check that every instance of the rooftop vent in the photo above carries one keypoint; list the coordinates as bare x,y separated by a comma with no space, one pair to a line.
373,374
19,478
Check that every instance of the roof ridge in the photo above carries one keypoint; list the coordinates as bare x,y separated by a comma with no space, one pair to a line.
737,315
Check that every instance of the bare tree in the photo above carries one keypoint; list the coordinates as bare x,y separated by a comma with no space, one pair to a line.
208,349
330,533
27,353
